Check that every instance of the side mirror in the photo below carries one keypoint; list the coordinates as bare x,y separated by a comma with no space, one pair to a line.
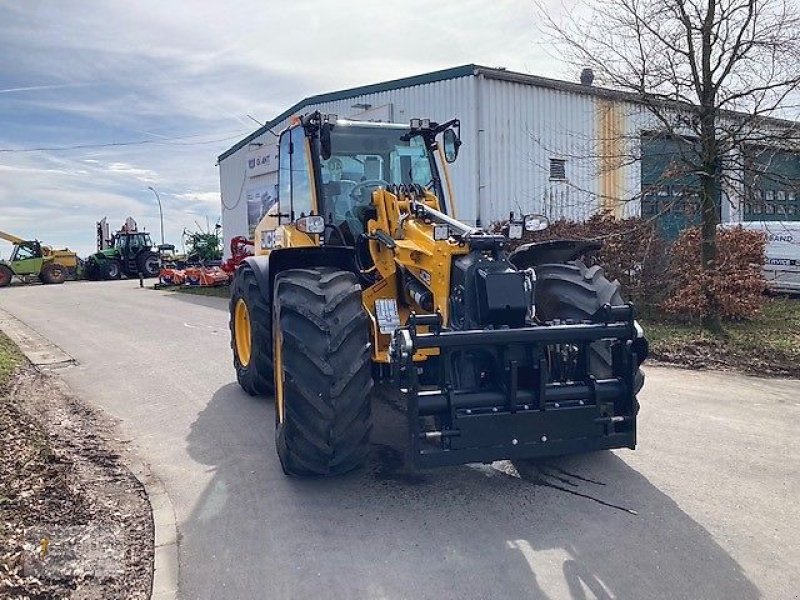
325,140
451,143
536,222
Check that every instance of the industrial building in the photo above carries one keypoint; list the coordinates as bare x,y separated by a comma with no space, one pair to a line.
530,144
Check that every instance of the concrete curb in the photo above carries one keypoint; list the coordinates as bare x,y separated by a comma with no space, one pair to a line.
165,534
44,355
40,352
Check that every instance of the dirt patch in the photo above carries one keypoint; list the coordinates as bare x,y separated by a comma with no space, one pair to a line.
767,345
74,522
721,355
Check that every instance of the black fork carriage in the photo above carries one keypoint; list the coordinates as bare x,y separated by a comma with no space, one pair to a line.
536,407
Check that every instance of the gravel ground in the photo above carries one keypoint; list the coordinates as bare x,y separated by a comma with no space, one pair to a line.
74,522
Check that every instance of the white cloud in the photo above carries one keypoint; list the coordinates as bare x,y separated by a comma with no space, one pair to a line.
98,72
143,175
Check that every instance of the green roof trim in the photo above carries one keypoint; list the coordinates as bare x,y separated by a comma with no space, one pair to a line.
386,86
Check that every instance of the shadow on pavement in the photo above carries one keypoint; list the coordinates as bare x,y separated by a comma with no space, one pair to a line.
217,302
580,527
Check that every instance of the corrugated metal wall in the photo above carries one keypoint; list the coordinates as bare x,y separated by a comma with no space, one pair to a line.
527,126
439,101
510,132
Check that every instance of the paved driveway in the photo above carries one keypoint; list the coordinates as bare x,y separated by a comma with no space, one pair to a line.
707,507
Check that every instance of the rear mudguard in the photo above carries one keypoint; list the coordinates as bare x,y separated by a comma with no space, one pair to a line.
553,252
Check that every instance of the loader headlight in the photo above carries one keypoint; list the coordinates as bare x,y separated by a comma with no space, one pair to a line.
536,222
312,224
515,231
441,232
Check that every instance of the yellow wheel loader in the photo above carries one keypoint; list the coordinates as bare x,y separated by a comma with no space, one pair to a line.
363,276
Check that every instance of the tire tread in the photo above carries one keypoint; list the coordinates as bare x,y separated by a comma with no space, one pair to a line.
328,372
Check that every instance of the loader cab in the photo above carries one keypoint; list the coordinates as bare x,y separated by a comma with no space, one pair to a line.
26,251
133,243
364,157
27,258
331,168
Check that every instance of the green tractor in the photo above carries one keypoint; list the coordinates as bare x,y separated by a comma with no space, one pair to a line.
128,252
33,261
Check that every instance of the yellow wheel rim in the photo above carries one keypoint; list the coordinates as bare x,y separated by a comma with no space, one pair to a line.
278,368
242,332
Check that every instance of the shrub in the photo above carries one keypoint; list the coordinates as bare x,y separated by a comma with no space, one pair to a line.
736,285
633,252
668,278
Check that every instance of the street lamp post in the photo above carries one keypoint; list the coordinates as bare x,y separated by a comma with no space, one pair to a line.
160,211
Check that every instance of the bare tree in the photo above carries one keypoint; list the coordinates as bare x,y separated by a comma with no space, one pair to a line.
720,76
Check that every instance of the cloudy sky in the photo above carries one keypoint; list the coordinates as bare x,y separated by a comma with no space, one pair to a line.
99,99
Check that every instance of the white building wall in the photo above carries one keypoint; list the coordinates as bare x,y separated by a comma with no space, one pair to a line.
510,131
439,101
232,180
524,127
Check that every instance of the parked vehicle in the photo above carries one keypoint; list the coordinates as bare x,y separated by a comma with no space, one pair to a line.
128,252
31,261
782,250
362,277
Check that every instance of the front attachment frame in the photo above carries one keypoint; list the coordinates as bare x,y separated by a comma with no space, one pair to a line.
528,415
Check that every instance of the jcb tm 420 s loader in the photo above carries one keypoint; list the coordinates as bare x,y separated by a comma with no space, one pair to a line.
363,276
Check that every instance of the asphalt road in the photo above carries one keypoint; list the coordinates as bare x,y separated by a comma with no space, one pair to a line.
707,507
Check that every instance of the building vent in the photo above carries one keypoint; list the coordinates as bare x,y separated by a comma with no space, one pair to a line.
558,169
587,76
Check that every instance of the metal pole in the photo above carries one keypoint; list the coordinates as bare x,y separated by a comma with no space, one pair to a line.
160,211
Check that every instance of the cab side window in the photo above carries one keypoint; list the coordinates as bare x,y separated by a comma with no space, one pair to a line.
294,184
24,253
301,183
284,175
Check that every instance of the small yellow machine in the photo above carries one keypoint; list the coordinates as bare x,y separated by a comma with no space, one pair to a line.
363,275
31,260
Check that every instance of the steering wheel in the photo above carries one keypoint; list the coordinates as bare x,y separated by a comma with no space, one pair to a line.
340,201
358,188
355,214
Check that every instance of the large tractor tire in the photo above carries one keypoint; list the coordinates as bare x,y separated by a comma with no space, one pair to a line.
148,264
92,270
323,372
112,269
251,334
6,275
53,273
573,291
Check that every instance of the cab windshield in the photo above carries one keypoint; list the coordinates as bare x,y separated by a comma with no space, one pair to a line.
364,158
136,241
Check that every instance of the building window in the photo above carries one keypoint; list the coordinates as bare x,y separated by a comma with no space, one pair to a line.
772,185
558,169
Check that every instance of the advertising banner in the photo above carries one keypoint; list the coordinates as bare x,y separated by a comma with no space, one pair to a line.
259,201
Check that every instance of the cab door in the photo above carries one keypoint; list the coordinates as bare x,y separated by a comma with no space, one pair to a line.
296,196
27,259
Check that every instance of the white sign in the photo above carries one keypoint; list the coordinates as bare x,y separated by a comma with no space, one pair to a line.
262,160
271,238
